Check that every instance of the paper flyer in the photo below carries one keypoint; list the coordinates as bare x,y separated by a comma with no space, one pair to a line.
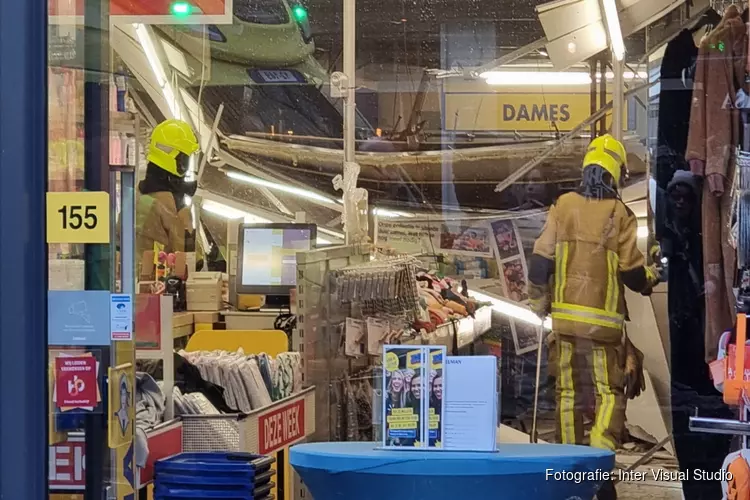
404,397
471,411
436,402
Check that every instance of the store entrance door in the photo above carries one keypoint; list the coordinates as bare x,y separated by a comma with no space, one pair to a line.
90,236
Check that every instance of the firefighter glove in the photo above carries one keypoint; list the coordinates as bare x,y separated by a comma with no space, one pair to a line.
540,306
635,381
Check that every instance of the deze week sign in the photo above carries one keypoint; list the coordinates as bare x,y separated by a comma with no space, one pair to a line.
281,427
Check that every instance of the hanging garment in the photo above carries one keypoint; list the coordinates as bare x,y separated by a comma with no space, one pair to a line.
149,412
676,92
712,139
264,363
188,378
691,386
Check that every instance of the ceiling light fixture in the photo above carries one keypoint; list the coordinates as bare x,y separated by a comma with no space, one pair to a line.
228,212
302,193
512,310
391,214
161,77
536,78
613,27
330,232
520,78
231,213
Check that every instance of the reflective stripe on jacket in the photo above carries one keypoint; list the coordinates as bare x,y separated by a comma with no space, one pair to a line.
590,249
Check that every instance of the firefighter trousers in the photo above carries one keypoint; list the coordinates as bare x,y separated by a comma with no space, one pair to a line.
590,376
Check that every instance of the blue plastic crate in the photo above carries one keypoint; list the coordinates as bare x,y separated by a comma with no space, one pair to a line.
163,493
213,465
208,482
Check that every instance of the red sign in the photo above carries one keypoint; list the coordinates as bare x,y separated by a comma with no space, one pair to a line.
163,442
148,321
148,11
281,427
67,465
75,382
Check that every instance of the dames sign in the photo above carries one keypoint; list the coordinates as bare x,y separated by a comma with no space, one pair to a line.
147,11
281,427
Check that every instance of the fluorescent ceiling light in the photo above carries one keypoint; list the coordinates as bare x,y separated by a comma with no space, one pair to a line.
551,77
642,231
302,193
231,213
628,75
536,78
161,77
390,214
613,27
512,310
330,232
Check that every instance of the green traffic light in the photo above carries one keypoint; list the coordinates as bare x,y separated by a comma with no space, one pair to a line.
299,13
181,9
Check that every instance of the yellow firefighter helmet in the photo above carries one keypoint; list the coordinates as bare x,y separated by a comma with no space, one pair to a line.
168,140
608,153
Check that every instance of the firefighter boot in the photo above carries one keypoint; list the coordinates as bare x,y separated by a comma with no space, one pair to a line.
607,491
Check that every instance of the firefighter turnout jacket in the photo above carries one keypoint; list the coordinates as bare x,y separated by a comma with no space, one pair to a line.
161,225
586,254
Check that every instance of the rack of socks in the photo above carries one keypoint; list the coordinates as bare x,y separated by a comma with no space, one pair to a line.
356,399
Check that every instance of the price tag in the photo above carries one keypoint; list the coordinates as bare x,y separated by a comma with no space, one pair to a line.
80,217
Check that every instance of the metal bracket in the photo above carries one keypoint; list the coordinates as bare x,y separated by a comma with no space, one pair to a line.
719,426
339,85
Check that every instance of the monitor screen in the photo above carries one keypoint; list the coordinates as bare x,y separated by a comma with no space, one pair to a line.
267,260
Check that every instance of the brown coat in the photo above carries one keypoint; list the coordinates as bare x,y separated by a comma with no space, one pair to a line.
712,139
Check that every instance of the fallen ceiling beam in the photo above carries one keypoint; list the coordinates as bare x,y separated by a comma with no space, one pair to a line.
531,165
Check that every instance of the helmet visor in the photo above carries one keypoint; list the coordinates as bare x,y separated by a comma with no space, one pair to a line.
183,164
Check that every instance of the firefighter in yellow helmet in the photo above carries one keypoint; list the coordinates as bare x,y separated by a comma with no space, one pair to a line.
582,260
163,219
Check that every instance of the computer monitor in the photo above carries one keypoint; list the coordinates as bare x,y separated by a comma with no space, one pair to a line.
267,258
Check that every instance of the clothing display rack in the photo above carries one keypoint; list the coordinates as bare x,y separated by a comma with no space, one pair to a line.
736,386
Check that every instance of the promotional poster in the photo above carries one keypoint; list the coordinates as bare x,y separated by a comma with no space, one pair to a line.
436,401
404,396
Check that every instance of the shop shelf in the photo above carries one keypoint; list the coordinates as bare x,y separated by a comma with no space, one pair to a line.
251,433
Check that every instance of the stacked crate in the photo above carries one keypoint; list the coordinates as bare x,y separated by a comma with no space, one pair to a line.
208,476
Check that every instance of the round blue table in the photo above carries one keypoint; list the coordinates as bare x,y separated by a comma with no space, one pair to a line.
359,471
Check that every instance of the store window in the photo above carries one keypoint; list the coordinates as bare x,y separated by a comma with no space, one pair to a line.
303,229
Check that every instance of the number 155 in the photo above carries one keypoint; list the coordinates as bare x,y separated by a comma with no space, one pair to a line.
78,216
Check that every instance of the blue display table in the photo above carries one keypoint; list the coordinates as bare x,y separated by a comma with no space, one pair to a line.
349,471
